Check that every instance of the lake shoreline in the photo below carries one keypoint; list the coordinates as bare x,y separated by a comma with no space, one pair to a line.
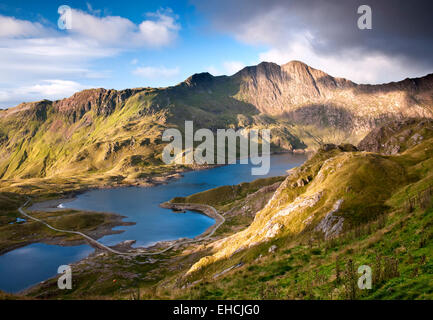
206,210
53,204
99,232
154,248
158,179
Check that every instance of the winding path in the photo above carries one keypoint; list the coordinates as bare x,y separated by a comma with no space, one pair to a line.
214,214
93,241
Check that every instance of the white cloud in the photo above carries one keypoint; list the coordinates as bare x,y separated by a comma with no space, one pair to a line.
91,10
54,88
32,52
289,40
28,61
48,89
227,68
11,27
353,65
294,30
156,72
213,70
232,67
159,30
269,28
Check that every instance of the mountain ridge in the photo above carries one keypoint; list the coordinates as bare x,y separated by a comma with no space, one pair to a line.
291,67
101,130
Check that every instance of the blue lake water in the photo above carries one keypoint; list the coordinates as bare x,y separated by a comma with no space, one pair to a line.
153,223
139,205
23,267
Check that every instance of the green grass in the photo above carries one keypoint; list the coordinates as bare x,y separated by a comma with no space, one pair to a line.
375,190
221,196
308,271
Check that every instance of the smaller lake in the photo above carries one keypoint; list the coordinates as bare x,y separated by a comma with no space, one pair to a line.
29,265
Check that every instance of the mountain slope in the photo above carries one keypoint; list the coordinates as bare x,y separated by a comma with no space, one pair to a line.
310,97
115,135
93,130
341,206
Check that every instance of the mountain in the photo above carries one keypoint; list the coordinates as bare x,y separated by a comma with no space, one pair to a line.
310,97
115,136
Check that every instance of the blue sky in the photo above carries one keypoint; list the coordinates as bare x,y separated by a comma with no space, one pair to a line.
125,44
193,46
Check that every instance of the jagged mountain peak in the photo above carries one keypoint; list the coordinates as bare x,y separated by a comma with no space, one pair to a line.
294,70
295,63
298,67
262,69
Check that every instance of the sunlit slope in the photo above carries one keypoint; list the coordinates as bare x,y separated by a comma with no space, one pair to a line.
44,142
337,190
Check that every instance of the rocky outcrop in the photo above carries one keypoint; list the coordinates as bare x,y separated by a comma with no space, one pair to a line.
275,89
253,202
201,80
35,110
331,225
101,101
397,136
308,96
299,204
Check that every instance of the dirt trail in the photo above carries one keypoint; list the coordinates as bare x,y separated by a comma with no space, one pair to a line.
205,209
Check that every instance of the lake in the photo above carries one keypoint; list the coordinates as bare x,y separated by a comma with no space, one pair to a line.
29,265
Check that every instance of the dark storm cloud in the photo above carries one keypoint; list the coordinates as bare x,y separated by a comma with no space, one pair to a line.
400,28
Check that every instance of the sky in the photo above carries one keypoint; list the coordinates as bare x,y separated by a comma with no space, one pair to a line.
127,44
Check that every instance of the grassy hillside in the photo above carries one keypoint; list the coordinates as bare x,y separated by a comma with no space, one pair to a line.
387,218
345,206
52,144
223,198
